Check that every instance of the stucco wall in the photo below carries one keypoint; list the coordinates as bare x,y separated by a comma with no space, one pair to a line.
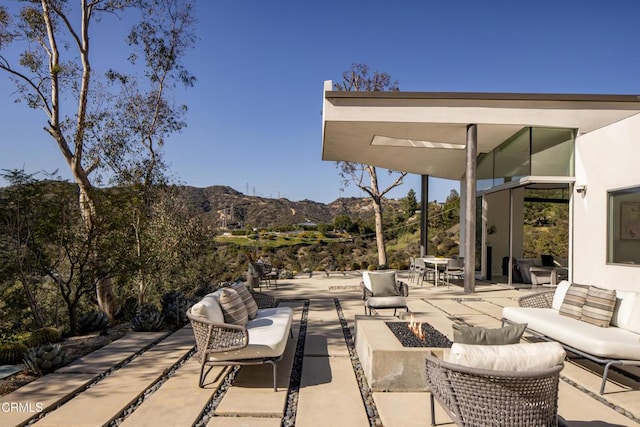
606,159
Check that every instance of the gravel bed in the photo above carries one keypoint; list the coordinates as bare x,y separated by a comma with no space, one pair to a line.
363,385
289,418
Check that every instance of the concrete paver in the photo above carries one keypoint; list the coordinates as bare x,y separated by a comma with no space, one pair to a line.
115,392
108,356
168,406
578,409
42,394
244,422
408,410
329,394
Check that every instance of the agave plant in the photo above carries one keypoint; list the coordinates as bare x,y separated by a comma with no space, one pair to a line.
11,353
148,319
46,358
174,308
92,322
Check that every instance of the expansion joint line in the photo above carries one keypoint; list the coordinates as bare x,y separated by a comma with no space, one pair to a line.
293,393
363,386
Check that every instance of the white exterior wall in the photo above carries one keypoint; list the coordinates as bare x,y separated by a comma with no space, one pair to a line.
606,159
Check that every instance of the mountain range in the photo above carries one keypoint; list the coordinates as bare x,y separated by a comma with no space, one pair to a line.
223,205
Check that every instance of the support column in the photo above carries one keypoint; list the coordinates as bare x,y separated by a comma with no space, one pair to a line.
470,210
424,215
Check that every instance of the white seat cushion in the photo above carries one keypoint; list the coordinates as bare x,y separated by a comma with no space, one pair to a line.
510,357
625,303
268,334
612,342
386,302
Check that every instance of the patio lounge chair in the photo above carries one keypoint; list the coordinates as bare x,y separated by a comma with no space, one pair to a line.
381,290
485,397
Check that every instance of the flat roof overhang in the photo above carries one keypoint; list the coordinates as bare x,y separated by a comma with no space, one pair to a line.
384,129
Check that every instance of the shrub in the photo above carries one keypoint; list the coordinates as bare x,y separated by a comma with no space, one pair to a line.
43,336
174,308
11,353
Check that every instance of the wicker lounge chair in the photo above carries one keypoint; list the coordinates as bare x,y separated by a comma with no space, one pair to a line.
261,341
479,397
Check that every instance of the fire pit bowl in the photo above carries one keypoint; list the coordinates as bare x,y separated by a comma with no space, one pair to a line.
388,364
408,338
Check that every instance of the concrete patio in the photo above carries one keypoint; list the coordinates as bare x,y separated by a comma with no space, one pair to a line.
119,385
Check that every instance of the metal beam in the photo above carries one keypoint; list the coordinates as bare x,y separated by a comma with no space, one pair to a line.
424,215
470,209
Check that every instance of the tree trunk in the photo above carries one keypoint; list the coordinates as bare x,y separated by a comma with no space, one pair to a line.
104,288
377,209
33,303
382,251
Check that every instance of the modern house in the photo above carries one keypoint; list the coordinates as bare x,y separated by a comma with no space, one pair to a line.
499,145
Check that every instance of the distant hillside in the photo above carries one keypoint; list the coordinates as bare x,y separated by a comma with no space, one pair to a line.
220,205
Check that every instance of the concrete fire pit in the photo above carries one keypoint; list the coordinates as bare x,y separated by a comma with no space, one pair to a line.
387,364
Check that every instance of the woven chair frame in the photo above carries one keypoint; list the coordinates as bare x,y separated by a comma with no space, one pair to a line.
263,300
478,397
537,300
402,289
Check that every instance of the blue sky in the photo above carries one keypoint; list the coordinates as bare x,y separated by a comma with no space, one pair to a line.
254,120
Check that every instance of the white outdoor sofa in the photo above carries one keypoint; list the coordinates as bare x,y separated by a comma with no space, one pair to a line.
616,344
262,339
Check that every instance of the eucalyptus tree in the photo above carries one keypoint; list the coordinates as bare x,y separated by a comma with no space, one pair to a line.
365,177
109,122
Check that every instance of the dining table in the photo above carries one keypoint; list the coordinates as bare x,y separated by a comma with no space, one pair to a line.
436,262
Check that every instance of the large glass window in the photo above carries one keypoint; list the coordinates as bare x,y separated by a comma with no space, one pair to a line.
512,158
624,227
530,152
551,152
484,171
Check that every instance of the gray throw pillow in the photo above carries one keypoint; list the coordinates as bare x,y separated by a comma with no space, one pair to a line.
383,284
509,334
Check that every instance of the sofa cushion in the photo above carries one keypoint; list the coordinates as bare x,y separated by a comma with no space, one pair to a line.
615,343
208,308
574,300
386,302
247,298
598,307
633,324
233,307
511,357
383,284
509,334
625,303
268,336
559,294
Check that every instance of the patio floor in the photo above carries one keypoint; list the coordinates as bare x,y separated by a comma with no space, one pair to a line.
151,378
